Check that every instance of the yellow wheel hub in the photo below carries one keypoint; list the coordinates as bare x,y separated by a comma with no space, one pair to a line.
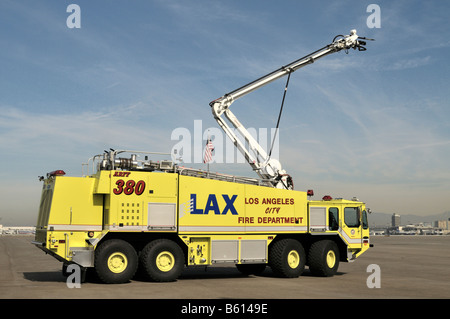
117,262
331,259
165,261
293,259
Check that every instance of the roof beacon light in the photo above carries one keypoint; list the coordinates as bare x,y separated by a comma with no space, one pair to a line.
58,172
327,197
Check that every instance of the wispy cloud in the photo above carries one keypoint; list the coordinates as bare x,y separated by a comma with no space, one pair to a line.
369,143
410,63
22,130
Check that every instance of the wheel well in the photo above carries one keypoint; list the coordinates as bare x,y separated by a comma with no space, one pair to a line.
139,240
307,240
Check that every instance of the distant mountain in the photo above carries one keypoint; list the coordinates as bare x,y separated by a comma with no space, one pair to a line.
385,219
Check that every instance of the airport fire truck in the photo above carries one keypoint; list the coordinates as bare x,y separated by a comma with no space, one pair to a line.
134,214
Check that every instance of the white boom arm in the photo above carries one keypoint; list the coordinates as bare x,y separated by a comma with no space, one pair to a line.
266,167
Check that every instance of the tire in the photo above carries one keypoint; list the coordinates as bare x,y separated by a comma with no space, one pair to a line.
323,258
251,269
287,258
162,260
115,261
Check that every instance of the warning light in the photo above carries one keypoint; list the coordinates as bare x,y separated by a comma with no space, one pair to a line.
310,192
327,197
58,172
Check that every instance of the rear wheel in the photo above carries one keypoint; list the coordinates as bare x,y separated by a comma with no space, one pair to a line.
162,260
115,261
287,258
323,258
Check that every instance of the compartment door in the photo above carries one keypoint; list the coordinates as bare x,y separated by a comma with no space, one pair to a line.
317,219
162,216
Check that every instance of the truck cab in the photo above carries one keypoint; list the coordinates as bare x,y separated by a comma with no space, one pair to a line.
345,218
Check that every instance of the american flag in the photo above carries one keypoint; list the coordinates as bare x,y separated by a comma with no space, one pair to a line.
208,151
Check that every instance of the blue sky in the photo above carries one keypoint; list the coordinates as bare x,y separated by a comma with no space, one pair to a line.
371,124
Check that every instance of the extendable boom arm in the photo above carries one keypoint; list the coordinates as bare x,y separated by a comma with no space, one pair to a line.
264,166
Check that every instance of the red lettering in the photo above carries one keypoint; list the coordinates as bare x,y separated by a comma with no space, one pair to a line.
140,187
121,174
129,187
278,220
246,220
252,201
119,188
272,210
276,201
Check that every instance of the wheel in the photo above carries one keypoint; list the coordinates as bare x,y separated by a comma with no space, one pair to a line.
162,260
115,261
323,258
287,258
251,269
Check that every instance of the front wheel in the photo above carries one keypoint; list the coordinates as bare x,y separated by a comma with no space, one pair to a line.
323,258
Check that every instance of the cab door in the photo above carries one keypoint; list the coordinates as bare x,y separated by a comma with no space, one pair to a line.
365,229
351,226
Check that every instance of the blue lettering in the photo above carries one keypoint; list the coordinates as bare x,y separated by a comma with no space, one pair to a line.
195,210
211,204
230,205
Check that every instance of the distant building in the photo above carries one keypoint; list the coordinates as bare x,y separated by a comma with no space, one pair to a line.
443,224
17,230
395,220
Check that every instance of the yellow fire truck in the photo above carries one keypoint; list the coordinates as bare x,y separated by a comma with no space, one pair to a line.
155,217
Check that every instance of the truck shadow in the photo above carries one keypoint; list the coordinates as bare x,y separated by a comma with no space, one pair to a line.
231,272
44,276
211,273
188,274
308,273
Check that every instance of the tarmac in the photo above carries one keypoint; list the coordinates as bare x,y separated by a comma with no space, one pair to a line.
397,267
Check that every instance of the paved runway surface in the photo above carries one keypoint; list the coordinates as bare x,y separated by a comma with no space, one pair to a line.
411,267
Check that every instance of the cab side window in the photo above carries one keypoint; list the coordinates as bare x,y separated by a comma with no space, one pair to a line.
364,220
333,218
351,216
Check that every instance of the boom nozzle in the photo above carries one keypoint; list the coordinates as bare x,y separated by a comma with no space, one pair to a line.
353,40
